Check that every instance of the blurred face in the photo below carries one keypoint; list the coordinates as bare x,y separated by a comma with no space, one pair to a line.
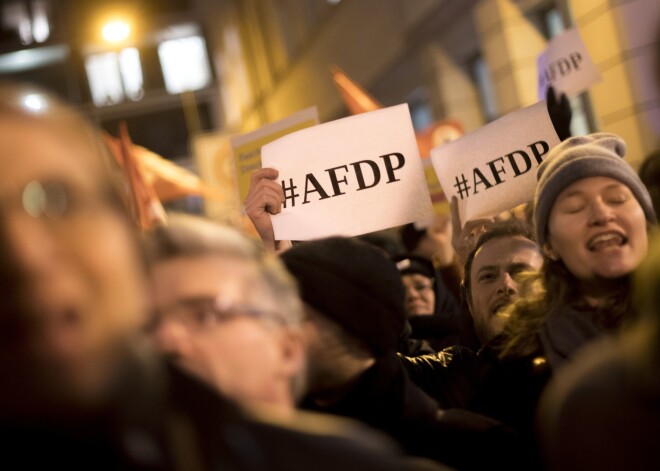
420,295
214,323
598,229
493,280
80,285
334,356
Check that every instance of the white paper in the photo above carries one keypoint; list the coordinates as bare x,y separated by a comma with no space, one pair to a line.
494,168
383,136
566,65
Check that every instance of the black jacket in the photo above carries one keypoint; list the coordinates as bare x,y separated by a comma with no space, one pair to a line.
385,397
508,389
450,376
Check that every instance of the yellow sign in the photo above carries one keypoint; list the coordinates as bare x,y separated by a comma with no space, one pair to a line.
438,198
246,148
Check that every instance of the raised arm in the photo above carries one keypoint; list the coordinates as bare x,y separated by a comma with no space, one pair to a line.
265,197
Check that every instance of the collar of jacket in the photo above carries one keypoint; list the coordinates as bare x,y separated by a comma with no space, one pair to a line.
564,332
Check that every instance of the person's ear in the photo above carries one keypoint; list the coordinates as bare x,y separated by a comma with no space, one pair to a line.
550,253
292,349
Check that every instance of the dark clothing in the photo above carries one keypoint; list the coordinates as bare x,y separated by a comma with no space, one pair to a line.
603,410
415,347
506,389
510,388
563,334
385,397
177,423
439,330
467,333
449,376
481,383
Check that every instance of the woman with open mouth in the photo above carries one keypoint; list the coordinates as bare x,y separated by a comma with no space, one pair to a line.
592,215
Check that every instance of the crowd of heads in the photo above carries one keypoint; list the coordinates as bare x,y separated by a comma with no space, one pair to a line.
82,290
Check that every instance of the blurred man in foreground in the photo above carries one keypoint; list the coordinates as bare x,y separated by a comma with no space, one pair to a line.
81,389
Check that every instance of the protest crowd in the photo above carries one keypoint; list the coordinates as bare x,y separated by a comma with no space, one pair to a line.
525,339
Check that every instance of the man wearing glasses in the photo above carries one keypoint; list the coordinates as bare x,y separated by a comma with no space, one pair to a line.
227,312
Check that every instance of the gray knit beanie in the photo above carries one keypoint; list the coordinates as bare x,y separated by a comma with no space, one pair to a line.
593,155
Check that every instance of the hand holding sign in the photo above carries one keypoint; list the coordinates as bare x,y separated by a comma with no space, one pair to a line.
348,177
560,113
464,236
265,197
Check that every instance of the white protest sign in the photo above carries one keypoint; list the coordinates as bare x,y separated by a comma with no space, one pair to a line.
493,169
566,66
348,177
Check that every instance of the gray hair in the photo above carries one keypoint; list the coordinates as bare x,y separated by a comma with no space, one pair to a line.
190,236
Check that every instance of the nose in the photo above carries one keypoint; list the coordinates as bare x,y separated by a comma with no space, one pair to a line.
507,285
171,338
600,213
411,292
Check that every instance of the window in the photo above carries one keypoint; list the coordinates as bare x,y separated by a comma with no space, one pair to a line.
131,73
554,23
420,109
32,24
114,76
481,76
185,64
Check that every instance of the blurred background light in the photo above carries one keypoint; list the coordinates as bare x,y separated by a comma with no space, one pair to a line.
116,31
185,64
34,102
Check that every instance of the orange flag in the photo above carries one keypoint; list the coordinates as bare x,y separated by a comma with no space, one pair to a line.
144,203
153,179
358,100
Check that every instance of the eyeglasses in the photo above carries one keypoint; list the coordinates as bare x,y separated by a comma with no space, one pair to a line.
198,314
56,201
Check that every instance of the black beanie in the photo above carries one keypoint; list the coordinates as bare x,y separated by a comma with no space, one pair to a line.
412,264
354,285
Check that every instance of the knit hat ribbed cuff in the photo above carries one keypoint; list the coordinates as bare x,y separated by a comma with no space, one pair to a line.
594,155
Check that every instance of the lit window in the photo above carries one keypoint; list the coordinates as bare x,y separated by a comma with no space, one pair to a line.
31,26
185,64
485,85
112,76
131,73
553,22
40,26
420,110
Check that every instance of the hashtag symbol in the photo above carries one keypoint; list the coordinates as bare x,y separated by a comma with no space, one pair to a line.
289,192
462,186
